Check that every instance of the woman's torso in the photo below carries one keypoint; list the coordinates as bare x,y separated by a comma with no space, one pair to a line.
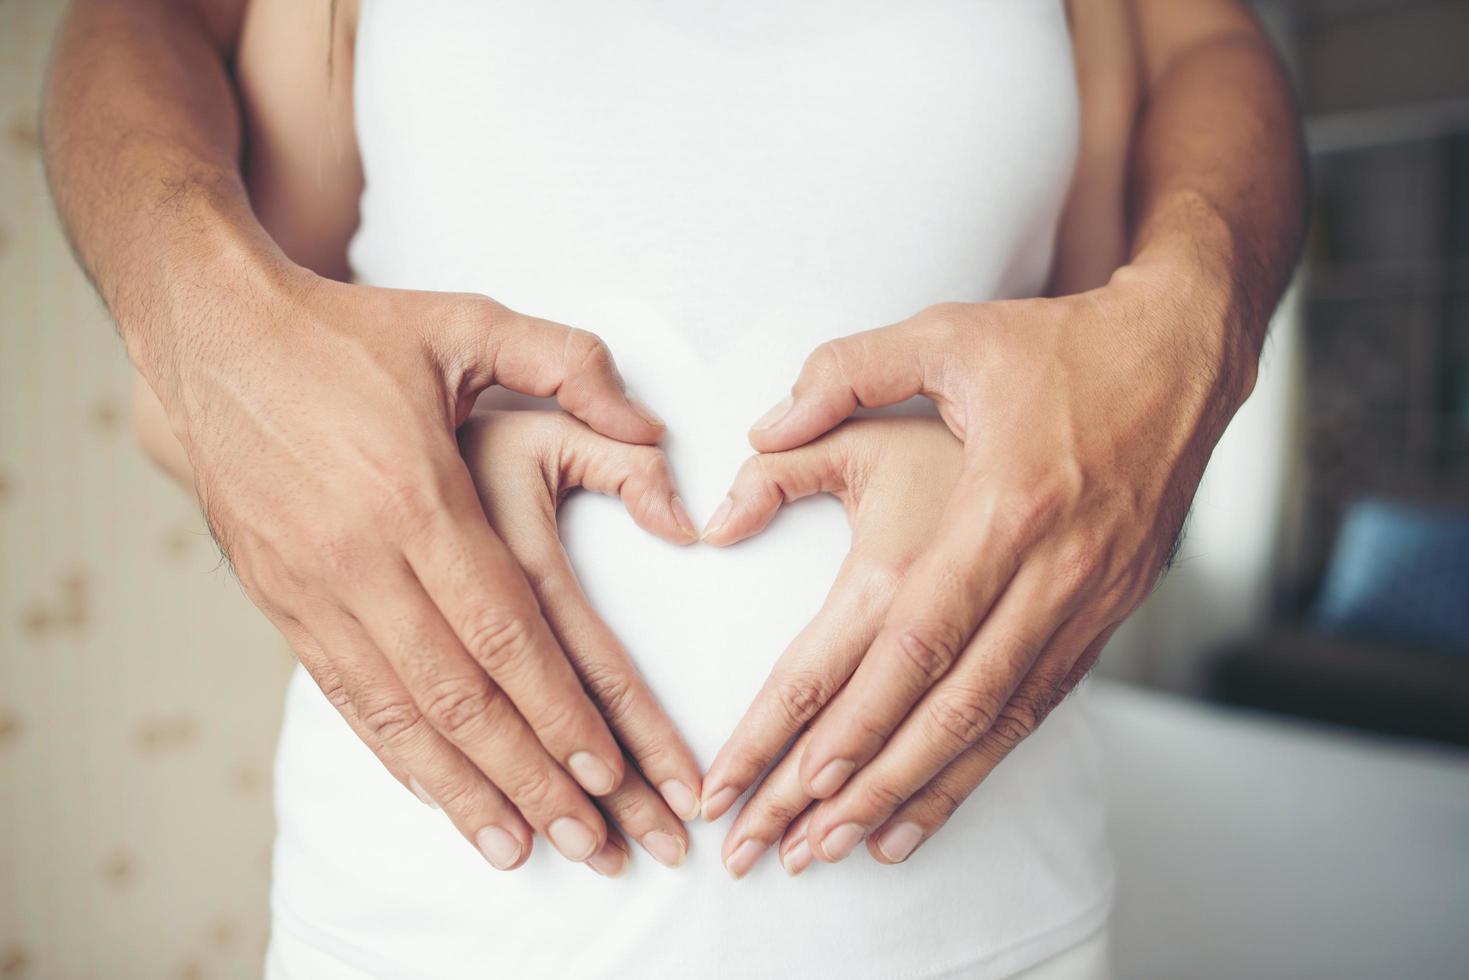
715,189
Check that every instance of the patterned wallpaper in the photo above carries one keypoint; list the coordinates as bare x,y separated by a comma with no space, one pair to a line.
139,690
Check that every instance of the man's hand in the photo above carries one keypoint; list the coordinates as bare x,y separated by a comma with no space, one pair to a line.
524,463
319,419
317,423
1086,422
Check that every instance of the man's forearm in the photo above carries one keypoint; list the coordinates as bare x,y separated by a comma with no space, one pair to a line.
1217,188
142,137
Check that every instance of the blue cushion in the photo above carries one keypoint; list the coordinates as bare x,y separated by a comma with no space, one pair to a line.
1399,572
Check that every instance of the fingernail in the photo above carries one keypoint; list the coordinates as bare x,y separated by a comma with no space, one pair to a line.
609,862
499,847
831,777
681,517
572,838
666,849
715,805
898,841
681,800
743,858
798,858
839,843
647,413
421,793
775,414
721,515
594,775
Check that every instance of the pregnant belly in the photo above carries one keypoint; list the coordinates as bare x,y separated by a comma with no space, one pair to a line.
362,867
705,625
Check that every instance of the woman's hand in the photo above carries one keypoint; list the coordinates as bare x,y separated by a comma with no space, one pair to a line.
1086,422
894,477
523,464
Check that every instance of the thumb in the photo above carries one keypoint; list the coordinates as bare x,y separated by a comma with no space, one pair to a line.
768,480
544,359
873,368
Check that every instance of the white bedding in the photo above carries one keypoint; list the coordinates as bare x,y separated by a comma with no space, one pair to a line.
1250,846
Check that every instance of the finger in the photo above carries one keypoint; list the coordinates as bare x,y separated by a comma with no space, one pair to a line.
989,695
602,665
640,813
873,368
613,681
805,678
541,358
767,481
452,695
359,683
639,475
941,600
611,860
920,817
795,850
482,593
769,812
318,666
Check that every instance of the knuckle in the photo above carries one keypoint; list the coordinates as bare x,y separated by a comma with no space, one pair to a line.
1010,729
867,730
405,508
876,580
1079,567
929,648
779,812
587,351
475,308
335,692
769,473
1019,719
456,795
1021,517
825,362
455,707
649,475
825,354
338,555
542,572
498,639
651,463
801,694
392,723
529,785
943,796
963,716
269,581
478,313
762,468
879,797
945,322
745,765
634,810
611,689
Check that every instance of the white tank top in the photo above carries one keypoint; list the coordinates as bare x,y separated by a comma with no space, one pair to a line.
714,188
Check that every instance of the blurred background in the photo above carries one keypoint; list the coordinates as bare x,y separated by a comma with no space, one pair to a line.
1286,718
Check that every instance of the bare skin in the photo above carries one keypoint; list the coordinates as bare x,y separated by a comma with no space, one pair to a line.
319,419
1086,421
1101,405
